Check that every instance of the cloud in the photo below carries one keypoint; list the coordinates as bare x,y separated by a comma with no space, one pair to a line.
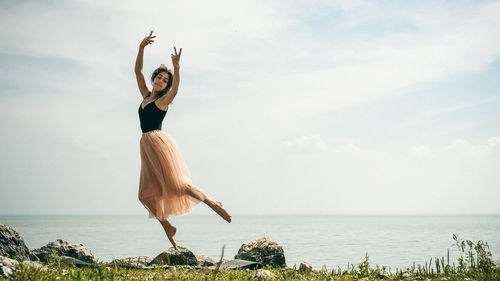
381,66
421,151
460,106
312,143
461,147
350,178
311,72
266,54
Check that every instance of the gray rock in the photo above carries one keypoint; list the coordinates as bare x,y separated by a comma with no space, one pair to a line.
172,256
72,261
263,274
12,244
304,266
63,248
33,257
7,266
204,260
133,262
264,251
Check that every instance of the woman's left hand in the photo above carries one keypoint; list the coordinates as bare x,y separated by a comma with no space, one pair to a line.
176,58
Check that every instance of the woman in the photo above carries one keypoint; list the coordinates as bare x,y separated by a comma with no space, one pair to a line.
165,186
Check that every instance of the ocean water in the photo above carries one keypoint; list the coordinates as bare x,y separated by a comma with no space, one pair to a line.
330,241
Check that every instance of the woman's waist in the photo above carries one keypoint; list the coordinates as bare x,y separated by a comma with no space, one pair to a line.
152,131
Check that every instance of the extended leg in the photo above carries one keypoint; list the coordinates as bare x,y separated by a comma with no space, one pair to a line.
216,206
196,192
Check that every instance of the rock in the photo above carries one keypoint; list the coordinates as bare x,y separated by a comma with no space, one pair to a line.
264,251
33,257
172,256
186,266
7,266
133,262
304,266
204,260
263,274
72,261
63,248
12,244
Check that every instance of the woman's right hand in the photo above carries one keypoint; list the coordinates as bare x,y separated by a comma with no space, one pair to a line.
147,40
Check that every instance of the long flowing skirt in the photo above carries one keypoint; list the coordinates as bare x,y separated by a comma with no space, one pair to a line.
164,177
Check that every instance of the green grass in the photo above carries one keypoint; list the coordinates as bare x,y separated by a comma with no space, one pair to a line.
475,263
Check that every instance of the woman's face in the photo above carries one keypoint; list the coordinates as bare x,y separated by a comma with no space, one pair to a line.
160,81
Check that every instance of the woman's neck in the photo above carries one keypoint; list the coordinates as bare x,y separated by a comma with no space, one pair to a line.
154,94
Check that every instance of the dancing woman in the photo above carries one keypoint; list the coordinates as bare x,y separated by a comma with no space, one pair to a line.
165,186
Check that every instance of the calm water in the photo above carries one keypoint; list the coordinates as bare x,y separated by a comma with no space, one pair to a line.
330,240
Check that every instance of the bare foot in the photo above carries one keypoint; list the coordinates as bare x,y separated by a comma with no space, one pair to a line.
171,235
217,207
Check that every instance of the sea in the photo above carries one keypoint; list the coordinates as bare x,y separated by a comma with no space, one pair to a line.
325,241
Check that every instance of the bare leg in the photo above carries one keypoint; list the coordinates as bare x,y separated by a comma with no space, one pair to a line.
170,230
196,193
216,206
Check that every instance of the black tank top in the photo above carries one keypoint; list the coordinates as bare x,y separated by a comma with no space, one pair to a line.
151,117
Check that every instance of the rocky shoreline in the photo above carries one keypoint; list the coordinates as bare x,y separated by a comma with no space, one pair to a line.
49,262
256,254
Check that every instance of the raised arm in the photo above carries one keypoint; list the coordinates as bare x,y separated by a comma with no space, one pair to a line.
169,97
141,81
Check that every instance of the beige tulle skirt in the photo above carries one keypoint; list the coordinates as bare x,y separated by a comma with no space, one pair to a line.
165,179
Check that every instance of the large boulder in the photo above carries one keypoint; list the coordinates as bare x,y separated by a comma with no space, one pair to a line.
7,266
172,256
12,244
63,248
264,251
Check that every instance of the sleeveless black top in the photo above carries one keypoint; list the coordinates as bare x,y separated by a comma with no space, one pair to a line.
151,117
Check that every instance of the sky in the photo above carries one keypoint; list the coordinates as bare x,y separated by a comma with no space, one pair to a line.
284,107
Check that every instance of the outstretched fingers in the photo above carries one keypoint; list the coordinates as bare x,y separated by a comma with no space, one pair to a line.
149,36
175,52
176,57
149,39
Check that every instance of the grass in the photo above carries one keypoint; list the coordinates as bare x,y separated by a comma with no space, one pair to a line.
475,263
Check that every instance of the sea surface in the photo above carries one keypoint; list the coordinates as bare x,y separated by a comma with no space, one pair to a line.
330,241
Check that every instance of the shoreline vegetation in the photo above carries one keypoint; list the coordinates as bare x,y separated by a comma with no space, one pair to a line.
475,263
